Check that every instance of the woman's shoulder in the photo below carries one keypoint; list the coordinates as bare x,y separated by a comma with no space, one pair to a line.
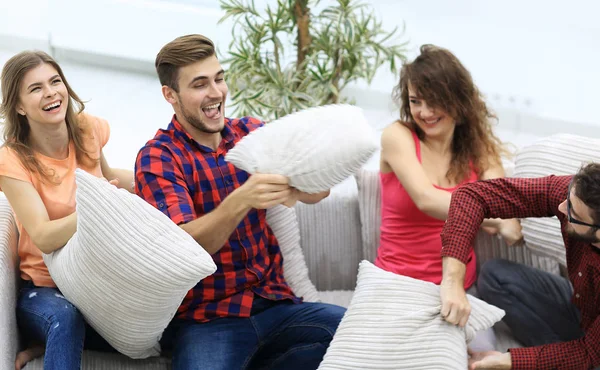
11,164
8,154
398,128
396,132
87,121
93,126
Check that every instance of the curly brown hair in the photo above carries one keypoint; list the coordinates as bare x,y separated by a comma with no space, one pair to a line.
443,82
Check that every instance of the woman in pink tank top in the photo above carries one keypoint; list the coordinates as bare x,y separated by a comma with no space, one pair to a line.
444,139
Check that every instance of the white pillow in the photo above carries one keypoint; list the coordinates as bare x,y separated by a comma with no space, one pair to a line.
128,266
394,322
282,220
316,148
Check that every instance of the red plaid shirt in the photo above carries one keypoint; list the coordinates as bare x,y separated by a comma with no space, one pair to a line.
519,198
186,180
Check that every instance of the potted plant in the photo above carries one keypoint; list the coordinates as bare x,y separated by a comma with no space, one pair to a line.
340,44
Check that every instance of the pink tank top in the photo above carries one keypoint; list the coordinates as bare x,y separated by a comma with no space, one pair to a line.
410,242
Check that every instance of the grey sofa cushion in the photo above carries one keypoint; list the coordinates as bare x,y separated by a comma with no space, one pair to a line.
337,297
331,238
369,203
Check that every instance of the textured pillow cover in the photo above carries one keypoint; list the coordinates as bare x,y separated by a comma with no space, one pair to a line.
128,266
394,322
284,223
316,148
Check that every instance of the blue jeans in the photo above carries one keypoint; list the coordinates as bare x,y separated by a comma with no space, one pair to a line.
537,304
46,317
277,335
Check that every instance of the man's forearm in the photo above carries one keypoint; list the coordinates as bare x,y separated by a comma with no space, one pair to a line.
212,230
453,270
125,178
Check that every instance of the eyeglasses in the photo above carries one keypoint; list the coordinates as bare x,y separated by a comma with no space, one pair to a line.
571,219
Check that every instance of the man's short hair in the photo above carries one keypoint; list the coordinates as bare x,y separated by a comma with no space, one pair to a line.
181,52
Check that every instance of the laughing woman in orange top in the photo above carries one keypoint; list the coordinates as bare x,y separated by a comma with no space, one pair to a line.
47,136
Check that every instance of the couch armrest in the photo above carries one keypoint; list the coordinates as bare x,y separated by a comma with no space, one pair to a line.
331,238
8,286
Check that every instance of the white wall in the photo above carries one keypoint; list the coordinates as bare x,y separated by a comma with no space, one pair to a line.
537,56
534,59
131,29
540,56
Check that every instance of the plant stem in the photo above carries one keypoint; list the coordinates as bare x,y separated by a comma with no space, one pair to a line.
337,75
302,14
276,52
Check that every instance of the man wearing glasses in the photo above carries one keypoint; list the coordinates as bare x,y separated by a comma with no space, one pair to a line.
558,320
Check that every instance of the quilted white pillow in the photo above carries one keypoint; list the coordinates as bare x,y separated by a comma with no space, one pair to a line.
316,148
561,154
394,322
128,266
284,224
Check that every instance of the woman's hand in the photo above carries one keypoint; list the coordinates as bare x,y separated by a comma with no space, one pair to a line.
114,182
510,231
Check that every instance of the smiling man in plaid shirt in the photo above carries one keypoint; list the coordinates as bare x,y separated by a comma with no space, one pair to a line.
244,315
557,319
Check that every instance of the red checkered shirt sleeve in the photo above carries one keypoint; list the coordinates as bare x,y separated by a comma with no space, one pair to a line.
252,123
161,182
582,353
498,198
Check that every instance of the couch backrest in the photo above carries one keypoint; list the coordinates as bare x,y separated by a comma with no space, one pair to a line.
330,236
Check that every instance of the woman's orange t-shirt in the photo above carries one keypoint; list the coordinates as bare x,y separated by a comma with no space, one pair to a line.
59,198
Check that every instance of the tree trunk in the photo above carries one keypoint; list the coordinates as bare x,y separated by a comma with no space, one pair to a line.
302,14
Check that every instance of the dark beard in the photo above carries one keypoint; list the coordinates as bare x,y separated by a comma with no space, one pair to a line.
196,121
589,237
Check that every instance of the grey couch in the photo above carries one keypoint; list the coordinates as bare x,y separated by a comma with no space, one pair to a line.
334,241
